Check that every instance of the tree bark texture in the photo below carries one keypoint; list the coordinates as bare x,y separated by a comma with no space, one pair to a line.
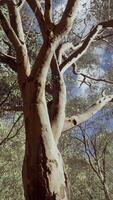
43,170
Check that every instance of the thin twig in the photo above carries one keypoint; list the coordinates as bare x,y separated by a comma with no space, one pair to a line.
13,126
5,99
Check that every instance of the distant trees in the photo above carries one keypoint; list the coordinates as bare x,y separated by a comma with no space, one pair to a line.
89,164
96,150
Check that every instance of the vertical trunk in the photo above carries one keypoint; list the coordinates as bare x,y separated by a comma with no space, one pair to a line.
43,173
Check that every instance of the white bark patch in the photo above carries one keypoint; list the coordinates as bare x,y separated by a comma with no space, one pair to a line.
54,163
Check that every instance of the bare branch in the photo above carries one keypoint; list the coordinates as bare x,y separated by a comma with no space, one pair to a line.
22,55
86,152
83,46
20,3
67,19
15,20
85,76
60,52
104,36
11,137
48,11
98,167
38,11
16,133
78,119
9,60
9,31
13,126
5,99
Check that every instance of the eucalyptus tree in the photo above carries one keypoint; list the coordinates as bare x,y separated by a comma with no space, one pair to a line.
43,170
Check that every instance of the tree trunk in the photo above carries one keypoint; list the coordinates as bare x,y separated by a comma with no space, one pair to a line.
43,171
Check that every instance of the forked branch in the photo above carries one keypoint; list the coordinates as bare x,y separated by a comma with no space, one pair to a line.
83,46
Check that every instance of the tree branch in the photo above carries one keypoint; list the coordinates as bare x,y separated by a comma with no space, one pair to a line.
48,11
57,109
17,132
8,94
78,119
83,46
98,166
23,64
20,3
67,19
38,11
15,20
13,126
9,31
44,57
85,76
60,52
9,60
94,165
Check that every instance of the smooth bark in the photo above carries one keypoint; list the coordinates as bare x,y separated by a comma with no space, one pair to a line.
43,173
